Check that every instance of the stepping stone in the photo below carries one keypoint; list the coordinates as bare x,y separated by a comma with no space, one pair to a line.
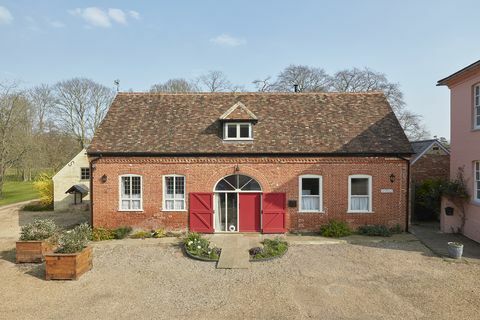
234,253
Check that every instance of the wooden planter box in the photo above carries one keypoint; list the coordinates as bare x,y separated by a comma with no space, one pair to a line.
68,266
32,251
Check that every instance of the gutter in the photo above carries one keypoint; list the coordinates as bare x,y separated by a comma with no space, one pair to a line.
91,165
407,219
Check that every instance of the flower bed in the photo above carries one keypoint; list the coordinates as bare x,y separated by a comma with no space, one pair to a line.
197,247
272,249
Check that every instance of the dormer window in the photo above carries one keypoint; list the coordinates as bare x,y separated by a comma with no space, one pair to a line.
238,123
237,131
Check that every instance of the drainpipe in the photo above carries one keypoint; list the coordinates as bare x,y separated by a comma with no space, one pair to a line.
408,192
92,162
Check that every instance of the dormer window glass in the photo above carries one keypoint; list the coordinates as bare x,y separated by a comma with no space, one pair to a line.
237,131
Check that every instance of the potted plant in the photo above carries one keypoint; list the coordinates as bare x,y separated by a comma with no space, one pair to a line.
455,250
73,258
36,239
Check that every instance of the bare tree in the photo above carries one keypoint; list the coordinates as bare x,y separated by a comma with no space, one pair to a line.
81,105
15,126
43,101
264,85
365,80
215,81
308,79
175,85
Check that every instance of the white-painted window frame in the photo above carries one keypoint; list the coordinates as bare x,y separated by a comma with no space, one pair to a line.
237,124
320,193
476,106
120,199
164,185
476,180
370,196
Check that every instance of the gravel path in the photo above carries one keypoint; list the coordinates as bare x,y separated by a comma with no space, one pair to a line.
151,279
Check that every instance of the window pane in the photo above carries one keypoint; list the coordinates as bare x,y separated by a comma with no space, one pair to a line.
125,187
169,204
233,180
252,186
179,205
136,204
310,203
359,203
136,187
222,185
244,131
125,204
243,180
359,186
169,187
231,130
179,187
310,186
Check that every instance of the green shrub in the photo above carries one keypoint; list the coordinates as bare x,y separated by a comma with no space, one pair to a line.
396,229
75,240
122,232
101,234
39,229
141,235
44,186
375,230
335,229
271,248
159,233
38,206
198,246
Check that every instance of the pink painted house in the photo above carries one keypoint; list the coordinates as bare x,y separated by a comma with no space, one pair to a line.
464,88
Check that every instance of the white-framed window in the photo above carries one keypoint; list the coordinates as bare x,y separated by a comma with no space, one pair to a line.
85,173
237,131
310,193
476,107
476,187
359,193
131,193
174,192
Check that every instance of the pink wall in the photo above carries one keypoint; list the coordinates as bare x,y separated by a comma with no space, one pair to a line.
465,149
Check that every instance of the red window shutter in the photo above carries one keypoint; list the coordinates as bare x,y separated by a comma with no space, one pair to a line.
273,218
201,212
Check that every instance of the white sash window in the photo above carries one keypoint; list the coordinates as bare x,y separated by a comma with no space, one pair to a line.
131,193
310,193
173,193
359,193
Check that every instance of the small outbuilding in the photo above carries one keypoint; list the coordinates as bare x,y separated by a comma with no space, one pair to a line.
70,184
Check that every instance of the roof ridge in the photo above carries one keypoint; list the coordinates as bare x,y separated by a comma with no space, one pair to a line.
251,92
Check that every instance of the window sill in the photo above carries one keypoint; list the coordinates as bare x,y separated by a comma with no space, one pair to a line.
128,210
311,211
350,211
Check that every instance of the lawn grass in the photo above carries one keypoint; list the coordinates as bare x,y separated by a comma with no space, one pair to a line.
17,191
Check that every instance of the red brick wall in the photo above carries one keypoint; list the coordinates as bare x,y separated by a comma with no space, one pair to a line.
273,174
431,166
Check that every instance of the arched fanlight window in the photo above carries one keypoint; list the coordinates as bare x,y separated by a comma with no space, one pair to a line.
238,182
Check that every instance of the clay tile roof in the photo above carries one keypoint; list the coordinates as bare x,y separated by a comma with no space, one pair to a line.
238,112
288,123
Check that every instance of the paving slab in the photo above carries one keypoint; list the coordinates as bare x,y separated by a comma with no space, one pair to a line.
234,251
431,236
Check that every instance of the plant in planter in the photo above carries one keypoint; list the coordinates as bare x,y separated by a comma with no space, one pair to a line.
456,192
197,246
36,239
455,250
74,256
271,249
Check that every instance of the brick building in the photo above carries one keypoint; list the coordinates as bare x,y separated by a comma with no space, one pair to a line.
430,161
249,162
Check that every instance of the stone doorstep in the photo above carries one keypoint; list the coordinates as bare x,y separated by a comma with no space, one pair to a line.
234,253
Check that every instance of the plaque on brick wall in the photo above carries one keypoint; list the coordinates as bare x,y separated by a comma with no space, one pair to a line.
386,190
292,203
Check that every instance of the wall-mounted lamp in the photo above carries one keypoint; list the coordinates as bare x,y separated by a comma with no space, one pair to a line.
237,168
392,178
104,178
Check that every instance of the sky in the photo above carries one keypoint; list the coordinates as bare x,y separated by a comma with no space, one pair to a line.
415,43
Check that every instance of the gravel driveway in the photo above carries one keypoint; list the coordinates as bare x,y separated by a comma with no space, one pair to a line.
151,279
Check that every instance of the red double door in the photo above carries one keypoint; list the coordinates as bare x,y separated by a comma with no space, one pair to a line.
249,211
